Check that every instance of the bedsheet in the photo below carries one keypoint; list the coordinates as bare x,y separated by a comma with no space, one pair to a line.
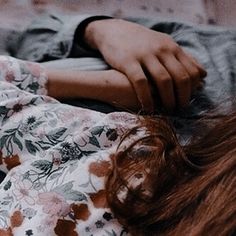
214,47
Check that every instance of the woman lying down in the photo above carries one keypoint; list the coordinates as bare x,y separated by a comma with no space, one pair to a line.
73,171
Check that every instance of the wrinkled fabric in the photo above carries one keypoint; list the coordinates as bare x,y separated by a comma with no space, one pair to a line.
55,157
214,47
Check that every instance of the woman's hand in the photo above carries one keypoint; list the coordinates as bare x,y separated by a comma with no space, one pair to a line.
142,54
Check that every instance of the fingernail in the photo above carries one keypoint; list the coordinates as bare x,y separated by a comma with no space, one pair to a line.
203,73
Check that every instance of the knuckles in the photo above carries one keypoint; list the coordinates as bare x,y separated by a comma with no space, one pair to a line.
166,45
184,80
165,80
195,73
139,81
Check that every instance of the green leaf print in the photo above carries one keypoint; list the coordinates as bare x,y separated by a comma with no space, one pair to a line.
93,140
31,147
9,140
33,87
5,203
43,165
97,130
75,195
17,142
111,233
3,141
3,110
68,193
9,131
56,134
20,133
4,213
33,100
55,175
63,188
7,185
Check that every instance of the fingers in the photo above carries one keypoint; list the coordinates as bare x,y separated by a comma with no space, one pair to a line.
175,78
162,80
191,69
180,77
194,69
203,72
136,76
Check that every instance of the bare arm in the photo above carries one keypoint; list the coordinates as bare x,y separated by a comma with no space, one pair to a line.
108,86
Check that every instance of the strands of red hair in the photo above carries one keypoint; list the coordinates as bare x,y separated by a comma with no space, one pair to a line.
158,187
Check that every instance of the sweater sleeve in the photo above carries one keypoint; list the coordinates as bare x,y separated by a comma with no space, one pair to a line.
27,76
56,36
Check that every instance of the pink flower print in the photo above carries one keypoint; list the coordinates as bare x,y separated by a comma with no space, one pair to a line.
14,175
56,161
9,76
48,222
65,115
16,107
53,204
122,117
34,68
3,63
41,133
24,192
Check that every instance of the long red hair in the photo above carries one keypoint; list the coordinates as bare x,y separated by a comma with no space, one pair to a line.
158,187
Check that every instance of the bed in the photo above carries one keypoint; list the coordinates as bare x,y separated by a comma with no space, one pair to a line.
214,47
197,44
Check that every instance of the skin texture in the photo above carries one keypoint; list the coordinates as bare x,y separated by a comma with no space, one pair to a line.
142,55
108,86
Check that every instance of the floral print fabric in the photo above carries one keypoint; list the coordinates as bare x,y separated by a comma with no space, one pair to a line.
56,157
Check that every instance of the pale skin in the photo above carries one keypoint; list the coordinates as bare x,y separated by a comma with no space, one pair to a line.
109,86
137,55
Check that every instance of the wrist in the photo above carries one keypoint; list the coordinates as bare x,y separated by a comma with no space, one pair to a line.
90,34
82,34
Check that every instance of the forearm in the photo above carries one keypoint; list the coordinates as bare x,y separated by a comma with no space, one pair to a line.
107,86
72,84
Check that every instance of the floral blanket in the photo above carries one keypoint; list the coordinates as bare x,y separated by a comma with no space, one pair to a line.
55,156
